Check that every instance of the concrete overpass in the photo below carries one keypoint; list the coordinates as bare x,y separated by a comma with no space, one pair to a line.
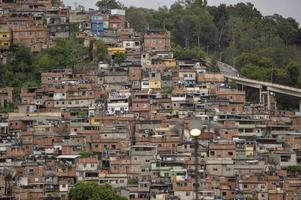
265,88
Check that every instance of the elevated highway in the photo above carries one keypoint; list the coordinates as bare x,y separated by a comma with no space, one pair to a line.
265,88
272,87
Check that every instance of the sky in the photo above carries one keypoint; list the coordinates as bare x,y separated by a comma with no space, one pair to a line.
287,8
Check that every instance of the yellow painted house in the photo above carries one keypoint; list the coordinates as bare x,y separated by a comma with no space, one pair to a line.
249,150
5,37
170,62
113,50
154,84
95,121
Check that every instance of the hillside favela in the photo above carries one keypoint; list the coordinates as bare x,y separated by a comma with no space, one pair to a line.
189,100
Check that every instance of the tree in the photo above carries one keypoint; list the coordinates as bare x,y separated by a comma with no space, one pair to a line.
293,73
194,53
99,51
132,14
19,69
288,29
66,53
119,58
186,26
105,5
93,191
205,29
56,2
294,170
220,17
85,154
254,66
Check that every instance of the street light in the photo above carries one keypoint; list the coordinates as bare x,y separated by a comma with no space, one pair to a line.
195,133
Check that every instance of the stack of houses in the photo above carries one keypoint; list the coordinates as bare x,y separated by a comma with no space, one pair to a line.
129,125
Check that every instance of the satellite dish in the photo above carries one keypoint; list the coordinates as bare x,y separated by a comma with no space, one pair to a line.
195,132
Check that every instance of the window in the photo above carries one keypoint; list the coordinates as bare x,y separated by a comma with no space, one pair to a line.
212,153
230,153
187,194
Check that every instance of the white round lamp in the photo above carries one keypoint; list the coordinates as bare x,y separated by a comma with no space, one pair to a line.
195,132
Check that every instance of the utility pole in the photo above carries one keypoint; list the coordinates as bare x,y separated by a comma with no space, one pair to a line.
196,162
195,133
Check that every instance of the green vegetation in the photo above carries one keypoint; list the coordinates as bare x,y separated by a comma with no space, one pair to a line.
24,68
7,108
56,2
105,5
93,191
99,51
294,170
193,53
119,58
19,69
133,181
84,154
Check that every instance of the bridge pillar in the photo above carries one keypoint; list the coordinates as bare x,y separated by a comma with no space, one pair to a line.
269,100
260,96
